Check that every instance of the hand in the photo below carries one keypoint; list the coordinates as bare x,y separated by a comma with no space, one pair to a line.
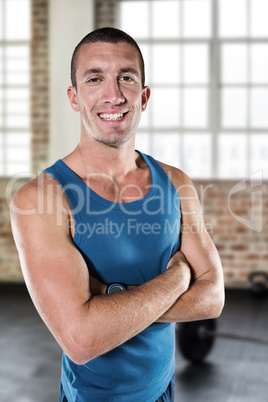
99,288
177,258
178,261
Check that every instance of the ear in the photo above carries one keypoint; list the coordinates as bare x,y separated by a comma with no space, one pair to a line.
72,95
146,92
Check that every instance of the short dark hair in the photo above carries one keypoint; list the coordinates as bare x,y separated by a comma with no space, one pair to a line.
108,35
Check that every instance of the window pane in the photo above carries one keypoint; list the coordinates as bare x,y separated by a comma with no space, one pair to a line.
181,85
147,61
195,107
259,115
1,156
197,154
232,18
21,167
259,63
17,78
145,117
234,64
134,17
17,121
197,18
165,102
193,55
166,148
142,142
18,139
17,62
17,65
17,52
259,153
165,19
232,151
1,18
1,61
18,154
259,12
17,94
17,107
234,107
166,66
17,19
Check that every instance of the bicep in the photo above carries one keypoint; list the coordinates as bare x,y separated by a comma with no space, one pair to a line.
55,272
196,243
202,256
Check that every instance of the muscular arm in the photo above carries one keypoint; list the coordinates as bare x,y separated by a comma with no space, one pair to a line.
85,325
205,295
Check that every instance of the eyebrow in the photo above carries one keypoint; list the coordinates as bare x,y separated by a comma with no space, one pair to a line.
122,70
129,70
91,71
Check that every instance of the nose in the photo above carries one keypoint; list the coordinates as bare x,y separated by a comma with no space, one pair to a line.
112,93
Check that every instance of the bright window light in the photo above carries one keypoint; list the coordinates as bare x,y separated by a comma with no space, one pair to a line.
207,67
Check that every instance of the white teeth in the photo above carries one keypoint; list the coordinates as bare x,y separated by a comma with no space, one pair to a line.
115,116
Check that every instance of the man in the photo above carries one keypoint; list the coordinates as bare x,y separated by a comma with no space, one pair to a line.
106,241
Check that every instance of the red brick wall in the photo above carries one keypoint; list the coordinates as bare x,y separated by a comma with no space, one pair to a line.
243,249
105,13
39,84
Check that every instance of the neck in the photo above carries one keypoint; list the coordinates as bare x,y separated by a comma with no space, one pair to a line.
96,157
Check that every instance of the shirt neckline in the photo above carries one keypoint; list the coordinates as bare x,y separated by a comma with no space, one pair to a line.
104,201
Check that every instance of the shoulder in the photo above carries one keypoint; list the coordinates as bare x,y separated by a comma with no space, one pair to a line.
180,179
40,210
33,195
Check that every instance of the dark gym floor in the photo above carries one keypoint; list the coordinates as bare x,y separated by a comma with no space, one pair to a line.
234,371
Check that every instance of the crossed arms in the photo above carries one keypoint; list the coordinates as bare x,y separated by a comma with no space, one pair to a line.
83,319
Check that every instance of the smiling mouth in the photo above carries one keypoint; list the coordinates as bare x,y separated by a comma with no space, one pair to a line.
111,116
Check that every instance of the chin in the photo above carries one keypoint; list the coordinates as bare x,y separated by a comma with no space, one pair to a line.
114,140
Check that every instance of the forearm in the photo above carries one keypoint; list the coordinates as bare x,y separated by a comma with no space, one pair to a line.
107,321
204,299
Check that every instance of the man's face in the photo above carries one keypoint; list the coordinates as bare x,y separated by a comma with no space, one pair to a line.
109,93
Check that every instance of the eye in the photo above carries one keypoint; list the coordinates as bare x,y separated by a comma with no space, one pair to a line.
93,80
126,78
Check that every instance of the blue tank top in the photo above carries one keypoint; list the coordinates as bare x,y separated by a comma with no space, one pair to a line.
130,243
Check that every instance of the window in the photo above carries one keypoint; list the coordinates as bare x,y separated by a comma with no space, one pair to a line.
207,66
14,87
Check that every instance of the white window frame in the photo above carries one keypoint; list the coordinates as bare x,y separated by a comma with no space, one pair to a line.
4,129
214,88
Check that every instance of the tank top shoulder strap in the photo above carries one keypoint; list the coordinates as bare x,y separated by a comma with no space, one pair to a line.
155,166
68,181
